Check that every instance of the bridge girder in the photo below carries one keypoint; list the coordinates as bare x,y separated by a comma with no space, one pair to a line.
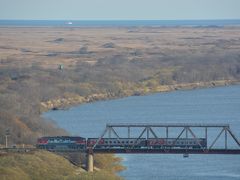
148,130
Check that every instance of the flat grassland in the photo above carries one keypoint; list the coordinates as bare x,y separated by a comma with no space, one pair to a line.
48,47
44,68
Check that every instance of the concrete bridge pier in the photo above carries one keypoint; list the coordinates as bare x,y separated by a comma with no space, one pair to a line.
90,161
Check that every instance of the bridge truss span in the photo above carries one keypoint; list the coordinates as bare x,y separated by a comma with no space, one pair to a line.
164,138
177,138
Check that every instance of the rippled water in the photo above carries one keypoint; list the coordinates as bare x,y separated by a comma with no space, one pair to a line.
217,105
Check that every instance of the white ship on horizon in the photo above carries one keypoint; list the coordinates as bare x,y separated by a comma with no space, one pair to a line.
69,23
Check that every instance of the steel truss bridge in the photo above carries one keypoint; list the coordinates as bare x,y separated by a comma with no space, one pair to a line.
222,136
187,131
219,139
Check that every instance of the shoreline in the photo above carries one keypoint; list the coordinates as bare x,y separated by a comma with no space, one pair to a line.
70,100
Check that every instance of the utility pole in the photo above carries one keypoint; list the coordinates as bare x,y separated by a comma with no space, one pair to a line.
7,133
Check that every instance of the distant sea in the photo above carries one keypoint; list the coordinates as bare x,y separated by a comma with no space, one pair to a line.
118,23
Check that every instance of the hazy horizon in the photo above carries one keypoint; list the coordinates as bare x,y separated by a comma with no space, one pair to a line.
119,10
119,23
120,19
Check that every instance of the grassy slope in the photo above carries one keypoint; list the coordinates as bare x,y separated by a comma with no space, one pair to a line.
46,165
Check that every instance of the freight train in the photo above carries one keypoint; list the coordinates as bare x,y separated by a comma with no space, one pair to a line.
80,143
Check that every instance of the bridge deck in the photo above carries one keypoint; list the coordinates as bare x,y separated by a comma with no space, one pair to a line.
152,151
167,151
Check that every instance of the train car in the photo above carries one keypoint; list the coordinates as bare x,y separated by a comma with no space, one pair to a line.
61,143
117,143
190,143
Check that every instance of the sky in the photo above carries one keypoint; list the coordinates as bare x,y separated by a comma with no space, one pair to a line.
119,9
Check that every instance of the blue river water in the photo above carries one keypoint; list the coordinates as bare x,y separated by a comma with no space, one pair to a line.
213,105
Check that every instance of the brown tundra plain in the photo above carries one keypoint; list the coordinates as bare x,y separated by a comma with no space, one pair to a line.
43,68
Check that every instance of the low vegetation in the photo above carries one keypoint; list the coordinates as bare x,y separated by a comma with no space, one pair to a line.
42,70
46,165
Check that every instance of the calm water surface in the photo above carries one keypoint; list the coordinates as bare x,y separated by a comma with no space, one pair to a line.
217,105
119,23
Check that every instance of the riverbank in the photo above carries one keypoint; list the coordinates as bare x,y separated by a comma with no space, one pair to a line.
70,100
46,165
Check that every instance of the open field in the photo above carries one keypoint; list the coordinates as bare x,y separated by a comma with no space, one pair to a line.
102,63
48,47
97,64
